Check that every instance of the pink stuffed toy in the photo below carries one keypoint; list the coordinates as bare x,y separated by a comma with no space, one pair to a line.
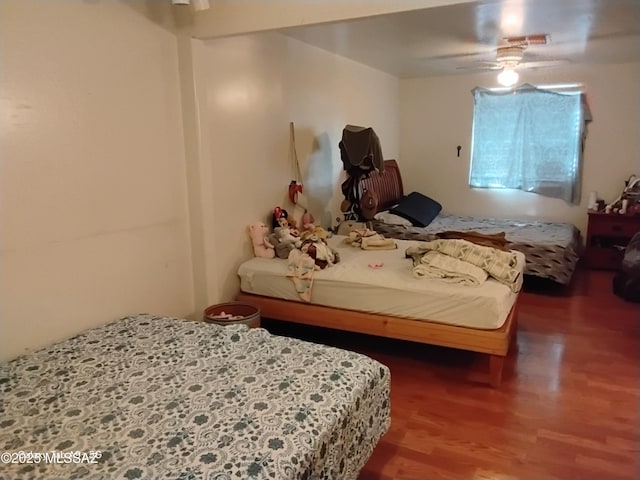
261,246
308,224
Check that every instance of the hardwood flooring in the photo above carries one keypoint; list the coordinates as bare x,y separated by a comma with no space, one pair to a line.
568,407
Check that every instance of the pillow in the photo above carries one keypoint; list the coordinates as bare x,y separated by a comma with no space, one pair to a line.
418,208
392,219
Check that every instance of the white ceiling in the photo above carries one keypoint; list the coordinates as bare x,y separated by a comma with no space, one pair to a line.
453,39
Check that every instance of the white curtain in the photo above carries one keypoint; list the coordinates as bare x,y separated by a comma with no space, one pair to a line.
529,139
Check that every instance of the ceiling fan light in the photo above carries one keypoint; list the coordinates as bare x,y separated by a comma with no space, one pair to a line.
508,77
201,4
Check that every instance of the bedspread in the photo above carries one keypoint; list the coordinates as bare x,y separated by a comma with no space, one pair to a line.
167,398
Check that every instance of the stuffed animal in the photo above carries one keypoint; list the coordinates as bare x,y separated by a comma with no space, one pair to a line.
283,239
310,228
308,222
286,232
317,232
277,218
345,227
262,247
323,255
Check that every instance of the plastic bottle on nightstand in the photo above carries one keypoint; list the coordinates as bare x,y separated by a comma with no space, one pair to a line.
625,205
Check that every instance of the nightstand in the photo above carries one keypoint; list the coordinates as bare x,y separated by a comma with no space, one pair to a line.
607,236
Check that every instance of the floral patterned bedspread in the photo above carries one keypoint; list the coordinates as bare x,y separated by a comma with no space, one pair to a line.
161,397
552,250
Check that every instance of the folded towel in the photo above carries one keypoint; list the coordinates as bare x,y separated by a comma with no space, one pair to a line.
369,240
378,242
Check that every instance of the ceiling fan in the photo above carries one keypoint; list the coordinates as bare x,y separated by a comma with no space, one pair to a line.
511,55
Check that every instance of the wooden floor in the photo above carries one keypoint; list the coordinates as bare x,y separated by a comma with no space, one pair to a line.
568,407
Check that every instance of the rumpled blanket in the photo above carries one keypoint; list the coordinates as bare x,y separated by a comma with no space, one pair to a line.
449,269
503,266
301,268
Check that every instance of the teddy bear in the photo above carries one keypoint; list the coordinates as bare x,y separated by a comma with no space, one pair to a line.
262,247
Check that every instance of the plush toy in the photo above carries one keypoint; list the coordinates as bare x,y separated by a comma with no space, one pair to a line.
262,247
345,227
318,231
283,239
310,228
276,220
308,222
323,255
282,248
284,235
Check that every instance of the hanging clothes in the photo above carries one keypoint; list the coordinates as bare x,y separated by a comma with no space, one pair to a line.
361,154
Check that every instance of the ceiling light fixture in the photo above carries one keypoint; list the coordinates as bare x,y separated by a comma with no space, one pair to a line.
197,4
508,77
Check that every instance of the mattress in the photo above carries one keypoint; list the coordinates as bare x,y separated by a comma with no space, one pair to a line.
156,397
552,250
390,290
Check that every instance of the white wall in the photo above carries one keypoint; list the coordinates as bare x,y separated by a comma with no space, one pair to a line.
92,181
252,86
436,115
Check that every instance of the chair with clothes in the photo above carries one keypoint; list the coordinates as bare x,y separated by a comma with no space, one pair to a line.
361,154
626,283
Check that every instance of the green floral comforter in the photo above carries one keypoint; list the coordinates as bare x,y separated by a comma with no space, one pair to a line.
153,397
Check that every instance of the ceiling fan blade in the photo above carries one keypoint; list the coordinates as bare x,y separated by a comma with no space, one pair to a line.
544,63
480,67
454,56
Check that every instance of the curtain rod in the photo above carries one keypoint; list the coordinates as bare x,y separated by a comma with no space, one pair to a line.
555,87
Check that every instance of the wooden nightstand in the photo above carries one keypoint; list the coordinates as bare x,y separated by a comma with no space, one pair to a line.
607,236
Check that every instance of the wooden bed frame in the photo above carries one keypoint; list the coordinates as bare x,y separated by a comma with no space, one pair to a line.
494,343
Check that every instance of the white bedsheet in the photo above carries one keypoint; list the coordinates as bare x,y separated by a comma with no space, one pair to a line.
390,290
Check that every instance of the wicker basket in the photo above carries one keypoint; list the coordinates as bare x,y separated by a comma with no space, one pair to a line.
248,314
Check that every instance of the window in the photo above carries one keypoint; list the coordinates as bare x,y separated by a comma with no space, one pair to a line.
529,139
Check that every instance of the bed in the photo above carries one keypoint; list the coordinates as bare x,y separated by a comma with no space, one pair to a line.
389,301
552,250
157,397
